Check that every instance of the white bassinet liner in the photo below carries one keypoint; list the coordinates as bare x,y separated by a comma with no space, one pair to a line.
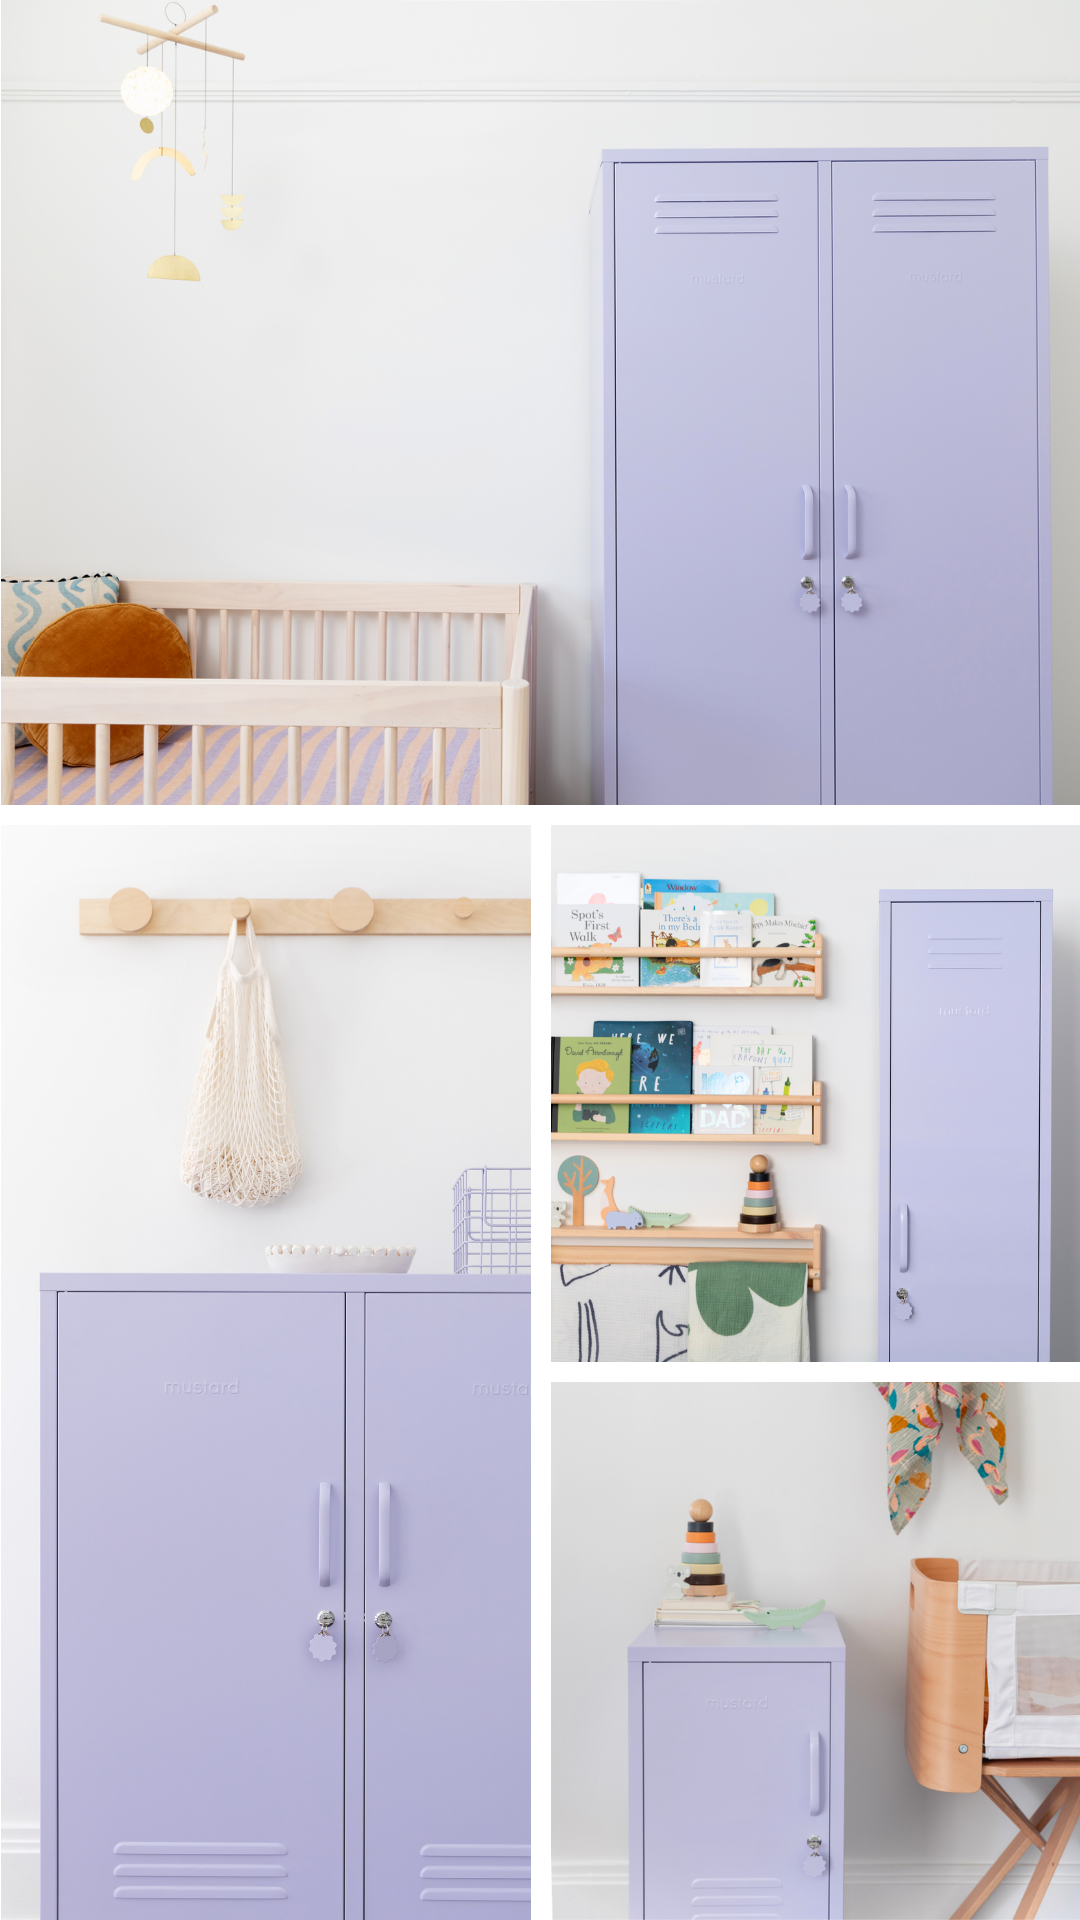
1032,1610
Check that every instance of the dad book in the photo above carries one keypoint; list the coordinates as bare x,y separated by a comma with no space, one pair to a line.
660,1062
591,926
749,1064
591,1068
796,974
671,928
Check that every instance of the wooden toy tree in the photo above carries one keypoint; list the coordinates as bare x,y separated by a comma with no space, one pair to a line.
577,1177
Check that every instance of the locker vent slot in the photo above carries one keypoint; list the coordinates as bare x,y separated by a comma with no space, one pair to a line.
966,952
934,213
200,1870
735,1898
757,213
480,1870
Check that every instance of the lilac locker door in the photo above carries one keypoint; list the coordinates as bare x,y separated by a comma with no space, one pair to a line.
964,1127
936,471
200,1745
736,1783
716,357
446,1724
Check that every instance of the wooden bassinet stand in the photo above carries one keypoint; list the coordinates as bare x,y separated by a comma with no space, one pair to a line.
943,1733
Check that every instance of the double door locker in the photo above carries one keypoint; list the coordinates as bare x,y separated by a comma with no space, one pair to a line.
226,1461
820,368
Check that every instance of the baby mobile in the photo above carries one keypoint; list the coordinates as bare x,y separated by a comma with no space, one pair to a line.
147,90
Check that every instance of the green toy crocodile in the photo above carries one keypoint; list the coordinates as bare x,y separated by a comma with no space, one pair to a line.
661,1219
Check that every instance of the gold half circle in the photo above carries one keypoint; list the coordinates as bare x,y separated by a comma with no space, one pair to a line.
173,266
158,153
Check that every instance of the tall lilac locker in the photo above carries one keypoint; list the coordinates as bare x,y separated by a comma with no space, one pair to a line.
737,1771
820,477
964,1189
226,1458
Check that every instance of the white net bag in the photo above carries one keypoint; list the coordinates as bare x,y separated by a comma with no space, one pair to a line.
241,1143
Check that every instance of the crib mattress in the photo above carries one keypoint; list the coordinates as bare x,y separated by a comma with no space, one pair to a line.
317,778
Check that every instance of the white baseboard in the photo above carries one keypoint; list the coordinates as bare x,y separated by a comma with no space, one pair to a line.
873,1889
20,1876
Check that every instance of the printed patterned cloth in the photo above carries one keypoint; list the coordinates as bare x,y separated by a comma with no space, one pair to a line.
918,1410
317,773
728,1310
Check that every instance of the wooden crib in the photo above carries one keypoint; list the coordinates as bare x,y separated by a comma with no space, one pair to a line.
943,1734
260,655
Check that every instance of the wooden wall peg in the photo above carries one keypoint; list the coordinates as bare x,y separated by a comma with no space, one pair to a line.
463,909
130,910
351,910
240,910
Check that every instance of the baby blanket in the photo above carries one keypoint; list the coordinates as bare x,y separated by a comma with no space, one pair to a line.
918,1410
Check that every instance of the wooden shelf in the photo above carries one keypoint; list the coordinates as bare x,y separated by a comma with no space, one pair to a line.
758,1141
687,1246
693,989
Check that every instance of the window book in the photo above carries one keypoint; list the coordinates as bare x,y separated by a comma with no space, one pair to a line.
656,894
660,1062
590,1068
595,925
747,1064
795,974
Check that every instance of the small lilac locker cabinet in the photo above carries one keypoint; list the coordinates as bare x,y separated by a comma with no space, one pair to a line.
225,1457
736,1770
821,366
964,1182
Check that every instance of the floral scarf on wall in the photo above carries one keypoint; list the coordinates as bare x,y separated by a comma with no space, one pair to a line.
918,1409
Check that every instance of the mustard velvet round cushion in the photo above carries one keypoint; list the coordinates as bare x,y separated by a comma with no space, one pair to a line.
124,641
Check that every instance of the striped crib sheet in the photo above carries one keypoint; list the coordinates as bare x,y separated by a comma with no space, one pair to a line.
318,760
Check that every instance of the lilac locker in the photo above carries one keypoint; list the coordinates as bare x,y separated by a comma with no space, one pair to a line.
965,1127
936,465
446,1528
736,1772
199,1744
716,480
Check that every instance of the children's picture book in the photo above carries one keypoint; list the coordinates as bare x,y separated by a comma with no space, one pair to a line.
597,889
759,903
746,1063
591,1068
672,928
656,894
796,974
705,1036
726,930
660,1062
591,926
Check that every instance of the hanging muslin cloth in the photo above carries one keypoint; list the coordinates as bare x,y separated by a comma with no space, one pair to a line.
918,1409
241,1143
749,1310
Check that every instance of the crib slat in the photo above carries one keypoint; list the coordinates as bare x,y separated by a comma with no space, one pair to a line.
318,645
390,768
7,756
341,798
55,784
350,646
102,752
149,766
414,646
446,646
286,645
294,766
438,766
247,766
510,622
490,766
198,766
478,646
223,643
193,640
380,668
256,650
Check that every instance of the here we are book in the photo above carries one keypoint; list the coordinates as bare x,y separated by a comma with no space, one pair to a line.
661,1061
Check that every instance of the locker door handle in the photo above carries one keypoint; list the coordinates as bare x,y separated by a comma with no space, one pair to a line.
903,1260
324,1533
809,533
815,1773
384,1533
852,524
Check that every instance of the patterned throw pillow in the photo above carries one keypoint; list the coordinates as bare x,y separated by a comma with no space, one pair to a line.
26,606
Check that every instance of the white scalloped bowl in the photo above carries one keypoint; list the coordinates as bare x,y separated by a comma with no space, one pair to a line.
309,1259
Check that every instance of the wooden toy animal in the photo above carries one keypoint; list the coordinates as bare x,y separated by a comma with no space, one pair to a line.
610,1214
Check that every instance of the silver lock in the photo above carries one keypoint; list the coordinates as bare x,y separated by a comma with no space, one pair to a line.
325,1618
383,1648
905,1309
815,1863
850,600
384,1620
810,600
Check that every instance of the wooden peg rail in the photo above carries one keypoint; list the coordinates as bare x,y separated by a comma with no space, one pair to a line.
686,1246
689,956
811,1100
350,911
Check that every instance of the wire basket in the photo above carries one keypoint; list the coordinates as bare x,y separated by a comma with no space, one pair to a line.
491,1220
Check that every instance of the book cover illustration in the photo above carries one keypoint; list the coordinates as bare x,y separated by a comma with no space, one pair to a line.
597,889
656,894
726,930
795,974
661,1061
595,925
672,928
748,1064
759,903
591,1068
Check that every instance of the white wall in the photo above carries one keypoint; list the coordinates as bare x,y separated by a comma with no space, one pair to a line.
405,1064
834,871
797,1477
385,373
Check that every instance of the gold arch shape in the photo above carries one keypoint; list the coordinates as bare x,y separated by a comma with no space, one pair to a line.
158,153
